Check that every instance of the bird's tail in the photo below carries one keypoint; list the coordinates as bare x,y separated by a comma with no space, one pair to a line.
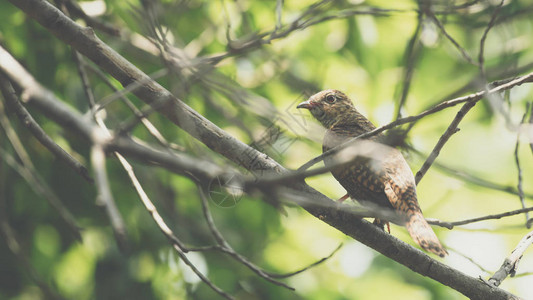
423,235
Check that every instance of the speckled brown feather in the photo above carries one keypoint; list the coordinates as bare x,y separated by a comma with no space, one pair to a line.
381,176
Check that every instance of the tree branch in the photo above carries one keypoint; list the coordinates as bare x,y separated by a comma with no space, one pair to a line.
510,264
27,120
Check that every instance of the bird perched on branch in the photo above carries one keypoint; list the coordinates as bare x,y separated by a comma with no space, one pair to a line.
371,172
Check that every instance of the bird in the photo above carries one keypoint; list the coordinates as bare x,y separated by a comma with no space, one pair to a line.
375,174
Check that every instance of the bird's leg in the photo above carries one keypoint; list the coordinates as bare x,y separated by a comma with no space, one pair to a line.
343,198
381,224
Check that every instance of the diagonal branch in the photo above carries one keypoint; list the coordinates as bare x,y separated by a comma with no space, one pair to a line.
519,187
452,129
450,225
28,121
510,264
222,243
105,197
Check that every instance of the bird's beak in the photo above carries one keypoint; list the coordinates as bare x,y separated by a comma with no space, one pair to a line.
306,104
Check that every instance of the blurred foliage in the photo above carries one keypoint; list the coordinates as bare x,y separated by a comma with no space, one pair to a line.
248,93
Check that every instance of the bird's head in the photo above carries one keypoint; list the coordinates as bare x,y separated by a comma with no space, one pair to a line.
329,107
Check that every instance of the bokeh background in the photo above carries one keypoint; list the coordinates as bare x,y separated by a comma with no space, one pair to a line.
366,49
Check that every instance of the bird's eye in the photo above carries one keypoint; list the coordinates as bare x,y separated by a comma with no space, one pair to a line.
330,98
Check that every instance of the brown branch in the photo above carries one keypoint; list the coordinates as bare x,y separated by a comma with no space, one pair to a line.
316,263
411,54
450,225
470,259
27,170
510,264
463,52
452,129
41,189
186,260
481,56
27,120
471,178
519,167
221,241
221,142
310,17
176,243
74,9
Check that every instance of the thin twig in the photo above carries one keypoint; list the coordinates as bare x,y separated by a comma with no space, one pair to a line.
41,189
316,263
470,259
228,249
449,37
481,56
176,243
186,260
450,225
139,115
98,159
471,178
27,170
452,129
411,54
519,168
315,14
27,120
105,197
108,28
149,205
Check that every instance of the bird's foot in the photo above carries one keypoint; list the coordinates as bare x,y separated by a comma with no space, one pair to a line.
343,198
381,224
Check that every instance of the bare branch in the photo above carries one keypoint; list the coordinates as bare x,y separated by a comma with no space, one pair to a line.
463,52
316,263
27,120
452,129
450,225
481,56
199,274
510,264
471,178
105,197
176,243
519,168
26,169
411,54
470,259
41,189
227,248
